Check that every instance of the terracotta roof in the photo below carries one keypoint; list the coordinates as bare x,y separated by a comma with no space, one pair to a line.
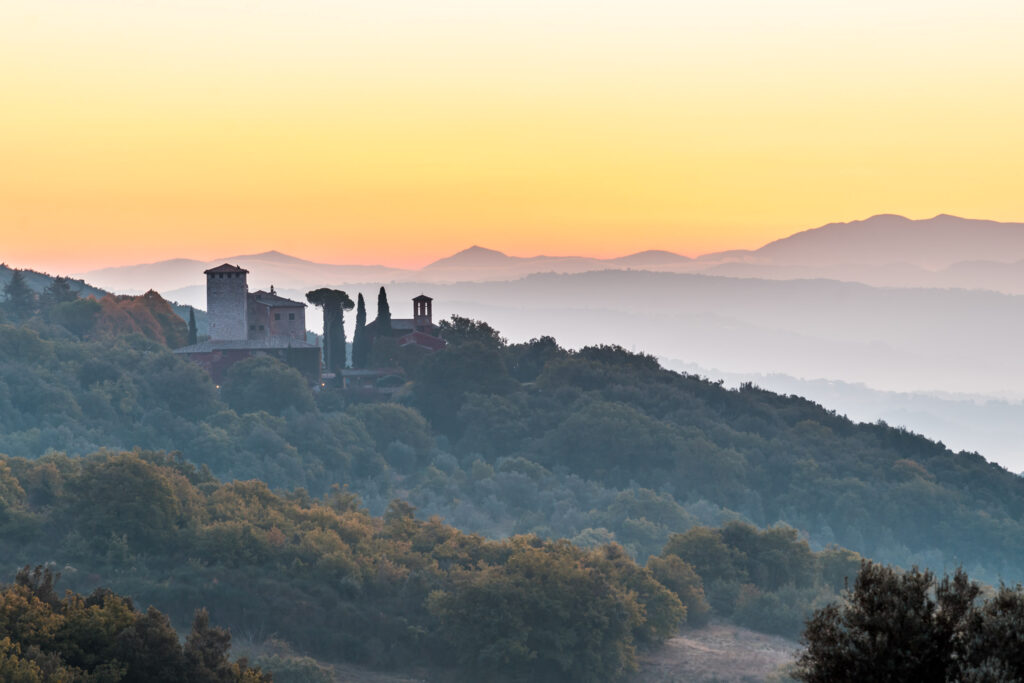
272,299
276,342
225,268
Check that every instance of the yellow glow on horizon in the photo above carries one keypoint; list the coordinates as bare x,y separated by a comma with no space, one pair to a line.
398,132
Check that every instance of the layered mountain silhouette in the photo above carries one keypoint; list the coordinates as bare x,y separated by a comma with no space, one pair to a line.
885,239
884,250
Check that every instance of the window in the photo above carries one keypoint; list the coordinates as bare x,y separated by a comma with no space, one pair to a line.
277,316
261,327
252,327
291,316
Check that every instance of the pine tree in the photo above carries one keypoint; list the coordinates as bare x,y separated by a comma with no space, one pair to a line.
57,292
193,329
19,300
334,303
360,350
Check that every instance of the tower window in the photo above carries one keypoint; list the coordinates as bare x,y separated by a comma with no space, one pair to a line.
252,327
261,327
291,316
277,316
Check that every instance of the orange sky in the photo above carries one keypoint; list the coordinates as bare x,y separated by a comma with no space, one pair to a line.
398,132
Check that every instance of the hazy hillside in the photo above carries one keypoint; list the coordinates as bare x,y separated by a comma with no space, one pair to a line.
38,282
892,339
961,421
933,243
266,269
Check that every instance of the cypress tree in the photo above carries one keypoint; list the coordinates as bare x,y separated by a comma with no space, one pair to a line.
19,300
383,322
193,329
360,351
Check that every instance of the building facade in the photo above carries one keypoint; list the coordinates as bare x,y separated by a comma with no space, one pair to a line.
245,324
226,295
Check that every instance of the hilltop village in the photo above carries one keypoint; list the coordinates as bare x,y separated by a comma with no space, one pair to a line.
243,324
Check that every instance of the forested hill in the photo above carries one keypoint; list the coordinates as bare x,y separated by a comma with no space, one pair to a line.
596,445
39,282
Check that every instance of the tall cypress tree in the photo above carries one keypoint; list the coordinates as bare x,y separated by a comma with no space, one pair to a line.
19,300
360,350
193,329
383,322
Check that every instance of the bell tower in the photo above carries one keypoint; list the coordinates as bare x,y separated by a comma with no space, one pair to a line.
423,314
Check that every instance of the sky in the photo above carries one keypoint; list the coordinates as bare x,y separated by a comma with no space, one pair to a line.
399,131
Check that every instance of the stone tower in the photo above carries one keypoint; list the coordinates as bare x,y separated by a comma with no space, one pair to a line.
423,314
226,302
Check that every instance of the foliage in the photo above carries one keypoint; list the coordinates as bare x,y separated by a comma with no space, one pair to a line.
19,301
264,383
901,626
459,330
360,340
382,323
102,638
321,573
768,580
334,303
598,445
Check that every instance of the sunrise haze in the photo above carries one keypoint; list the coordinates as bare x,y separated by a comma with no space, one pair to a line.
400,132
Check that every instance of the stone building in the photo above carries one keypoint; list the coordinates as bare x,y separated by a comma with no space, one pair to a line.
270,315
226,294
419,330
245,324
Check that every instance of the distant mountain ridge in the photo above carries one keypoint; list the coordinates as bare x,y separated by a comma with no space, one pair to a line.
933,243
885,250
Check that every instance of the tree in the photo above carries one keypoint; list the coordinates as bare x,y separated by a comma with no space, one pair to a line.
57,292
383,322
19,300
193,329
360,348
891,628
265,383
334,303
459,330
543,616
78,316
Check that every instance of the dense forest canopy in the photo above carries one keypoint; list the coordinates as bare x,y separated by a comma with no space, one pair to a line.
513,438
600,446
103,638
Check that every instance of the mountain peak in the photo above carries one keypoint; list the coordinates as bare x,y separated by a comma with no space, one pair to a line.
475,256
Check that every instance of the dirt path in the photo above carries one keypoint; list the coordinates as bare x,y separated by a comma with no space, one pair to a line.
718,652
